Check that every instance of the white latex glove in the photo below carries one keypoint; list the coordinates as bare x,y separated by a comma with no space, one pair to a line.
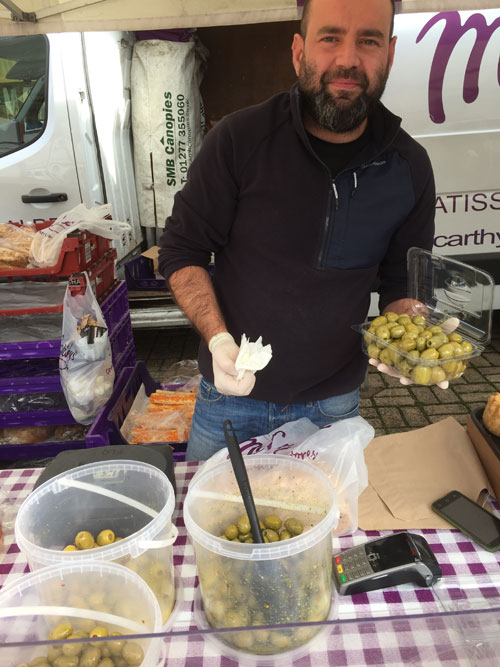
224,353
448,327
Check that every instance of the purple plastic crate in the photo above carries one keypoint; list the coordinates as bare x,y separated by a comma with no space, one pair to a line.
114,308
105,429
126,357
140,275
37,450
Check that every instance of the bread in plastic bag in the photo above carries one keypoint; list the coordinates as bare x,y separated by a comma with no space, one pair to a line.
85,365
338,449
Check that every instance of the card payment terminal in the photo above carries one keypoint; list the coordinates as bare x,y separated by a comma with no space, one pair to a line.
386,561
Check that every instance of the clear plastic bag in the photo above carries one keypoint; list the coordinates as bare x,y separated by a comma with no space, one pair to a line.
47,242
184,373
337,449
85,364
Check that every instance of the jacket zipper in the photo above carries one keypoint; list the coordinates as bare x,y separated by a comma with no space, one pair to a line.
332,193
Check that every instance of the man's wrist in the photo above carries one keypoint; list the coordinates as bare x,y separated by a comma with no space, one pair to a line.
222,337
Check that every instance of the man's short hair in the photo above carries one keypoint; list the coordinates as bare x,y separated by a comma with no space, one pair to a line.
305,16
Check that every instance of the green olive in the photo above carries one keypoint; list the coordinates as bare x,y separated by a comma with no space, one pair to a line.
53,653
61,631
385,357
430,354
74,649
404,367
407,344
66,661
294,526
99,631
413,335
133,653
394,353
373,351
455,337
272,521
84,540
378,321
271,535
446,351
436,341
285,535
390,316
413,357
426,334
243,538
395,332
105,537
450,368
437,375
107,662
41,661
419,320
422,375
244,525
467,347
90,657
421,343
70,547
383,332
435,329
458,349
231,531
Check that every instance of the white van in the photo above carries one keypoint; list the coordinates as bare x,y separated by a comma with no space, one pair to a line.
65,133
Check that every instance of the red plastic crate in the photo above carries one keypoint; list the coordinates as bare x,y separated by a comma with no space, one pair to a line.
79,250
101,274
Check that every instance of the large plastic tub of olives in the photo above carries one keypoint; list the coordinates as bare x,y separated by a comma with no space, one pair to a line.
127,508
245,584
449,326
82,601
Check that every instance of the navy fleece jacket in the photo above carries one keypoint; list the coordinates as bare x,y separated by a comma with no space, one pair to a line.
296,254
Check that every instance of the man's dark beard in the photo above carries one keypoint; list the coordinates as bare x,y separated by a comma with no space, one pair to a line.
339,113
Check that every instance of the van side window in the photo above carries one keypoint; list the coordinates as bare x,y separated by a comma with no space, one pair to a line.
23,90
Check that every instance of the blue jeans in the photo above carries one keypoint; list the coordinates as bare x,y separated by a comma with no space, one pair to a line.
251,418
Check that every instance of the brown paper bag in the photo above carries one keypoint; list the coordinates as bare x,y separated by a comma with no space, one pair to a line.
408,471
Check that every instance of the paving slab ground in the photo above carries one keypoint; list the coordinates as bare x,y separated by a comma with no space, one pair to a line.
389,406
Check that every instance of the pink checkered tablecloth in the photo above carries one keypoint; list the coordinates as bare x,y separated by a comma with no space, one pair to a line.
456,623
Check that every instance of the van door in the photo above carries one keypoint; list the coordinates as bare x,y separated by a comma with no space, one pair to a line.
38,178
446,87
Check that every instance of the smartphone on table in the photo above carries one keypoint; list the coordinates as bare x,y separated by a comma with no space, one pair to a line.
473,520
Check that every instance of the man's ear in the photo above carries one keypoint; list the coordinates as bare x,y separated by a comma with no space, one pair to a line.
392,48
297,51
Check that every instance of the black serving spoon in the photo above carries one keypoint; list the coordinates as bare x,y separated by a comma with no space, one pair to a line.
240,472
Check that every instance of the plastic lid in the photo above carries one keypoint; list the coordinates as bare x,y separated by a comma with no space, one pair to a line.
450,288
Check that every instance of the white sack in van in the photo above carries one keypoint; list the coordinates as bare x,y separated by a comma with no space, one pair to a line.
167,122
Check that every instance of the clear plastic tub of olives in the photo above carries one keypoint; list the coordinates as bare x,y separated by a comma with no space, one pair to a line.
263,587
449,326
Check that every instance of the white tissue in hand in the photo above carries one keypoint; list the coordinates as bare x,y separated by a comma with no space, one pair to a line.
252,356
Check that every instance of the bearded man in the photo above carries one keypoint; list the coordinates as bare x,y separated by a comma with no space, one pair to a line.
305,200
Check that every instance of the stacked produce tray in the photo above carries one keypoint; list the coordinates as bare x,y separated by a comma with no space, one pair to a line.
30,370
105,429
79,251
140,275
